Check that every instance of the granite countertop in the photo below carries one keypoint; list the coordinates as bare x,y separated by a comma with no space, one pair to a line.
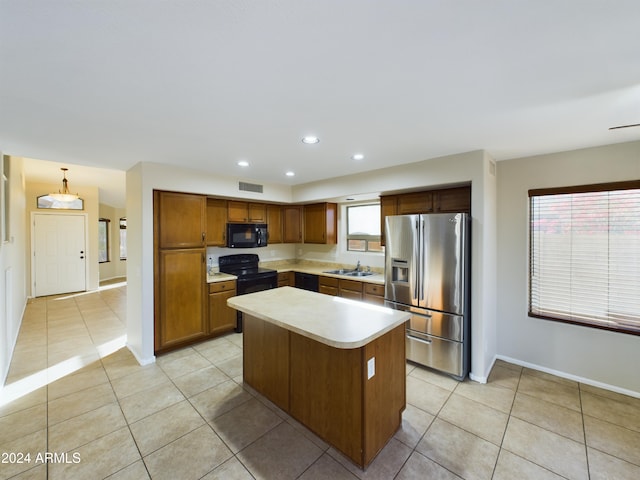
219,277
334,321
377,278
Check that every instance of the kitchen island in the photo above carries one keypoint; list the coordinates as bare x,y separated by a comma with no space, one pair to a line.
335,365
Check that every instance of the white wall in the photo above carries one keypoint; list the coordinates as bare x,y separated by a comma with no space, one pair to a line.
593,356
13,255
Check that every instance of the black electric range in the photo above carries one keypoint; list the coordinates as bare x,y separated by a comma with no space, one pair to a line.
251,277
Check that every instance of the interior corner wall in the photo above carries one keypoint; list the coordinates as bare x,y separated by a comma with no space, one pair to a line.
590,355
13,259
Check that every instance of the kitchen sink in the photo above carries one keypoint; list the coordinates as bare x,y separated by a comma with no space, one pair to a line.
349,273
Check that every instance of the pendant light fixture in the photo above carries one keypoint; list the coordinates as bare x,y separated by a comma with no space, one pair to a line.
64,195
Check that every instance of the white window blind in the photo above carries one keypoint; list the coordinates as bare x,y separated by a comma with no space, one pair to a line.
585,255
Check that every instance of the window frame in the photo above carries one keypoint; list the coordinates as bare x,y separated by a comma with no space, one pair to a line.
366,238
567,317
107,222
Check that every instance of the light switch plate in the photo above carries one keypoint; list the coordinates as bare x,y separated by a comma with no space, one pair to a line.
371,367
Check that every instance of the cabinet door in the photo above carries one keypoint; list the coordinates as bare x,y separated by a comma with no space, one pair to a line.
180,219
328,285
388,206
216,222
221,317
237,211
419,202
453,200
292,224
257,212
350,289
180,297
320,223
274,223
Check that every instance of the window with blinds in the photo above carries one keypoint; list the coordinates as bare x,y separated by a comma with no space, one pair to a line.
584,264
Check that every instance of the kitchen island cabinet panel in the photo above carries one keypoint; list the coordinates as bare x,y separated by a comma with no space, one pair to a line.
326,392
266,359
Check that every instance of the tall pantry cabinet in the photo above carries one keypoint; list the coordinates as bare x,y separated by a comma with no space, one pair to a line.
179,277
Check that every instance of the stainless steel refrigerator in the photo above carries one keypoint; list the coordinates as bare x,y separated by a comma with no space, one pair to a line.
427,274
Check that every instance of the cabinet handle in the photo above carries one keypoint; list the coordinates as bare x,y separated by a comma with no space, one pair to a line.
203,235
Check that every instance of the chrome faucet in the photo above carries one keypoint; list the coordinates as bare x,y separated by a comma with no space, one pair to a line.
358,266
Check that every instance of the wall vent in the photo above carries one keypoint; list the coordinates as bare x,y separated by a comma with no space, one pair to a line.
250,187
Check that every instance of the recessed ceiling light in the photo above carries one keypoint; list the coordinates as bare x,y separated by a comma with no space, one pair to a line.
357,156
290,173
310,139
243,163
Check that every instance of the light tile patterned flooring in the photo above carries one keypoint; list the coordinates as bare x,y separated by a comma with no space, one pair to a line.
188,416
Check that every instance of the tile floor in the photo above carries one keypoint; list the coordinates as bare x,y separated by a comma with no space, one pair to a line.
189,416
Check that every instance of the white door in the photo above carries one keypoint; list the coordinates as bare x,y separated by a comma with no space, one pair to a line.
59,254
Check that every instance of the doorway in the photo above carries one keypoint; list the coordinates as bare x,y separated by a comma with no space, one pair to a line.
59,253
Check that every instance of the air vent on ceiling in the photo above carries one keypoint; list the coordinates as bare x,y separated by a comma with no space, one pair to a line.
250,187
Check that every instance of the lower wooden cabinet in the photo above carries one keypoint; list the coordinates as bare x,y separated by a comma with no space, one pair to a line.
286,279
328,285
180,304
354,289
221,317
350,289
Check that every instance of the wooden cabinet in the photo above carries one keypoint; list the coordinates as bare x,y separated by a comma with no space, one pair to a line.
446,200
417,202
292,224
350,289
328,285
221,317
274,223
180,219
179,269
179,298
286,279
452,200
321,223
388,206
373,293
246,212
216,222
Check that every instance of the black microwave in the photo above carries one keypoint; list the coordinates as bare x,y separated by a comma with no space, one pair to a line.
246,235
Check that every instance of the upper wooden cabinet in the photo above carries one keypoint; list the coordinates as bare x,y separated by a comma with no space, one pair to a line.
216,222
181,219
452,200
246,212
292,224
447,200
418,202
321,223
274,223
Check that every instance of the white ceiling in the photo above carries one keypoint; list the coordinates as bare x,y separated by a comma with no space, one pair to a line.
206,83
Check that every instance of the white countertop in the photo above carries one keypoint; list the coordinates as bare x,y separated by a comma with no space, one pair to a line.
377,278
219,277
334,321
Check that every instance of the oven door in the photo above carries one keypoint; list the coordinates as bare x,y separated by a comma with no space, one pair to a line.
247,284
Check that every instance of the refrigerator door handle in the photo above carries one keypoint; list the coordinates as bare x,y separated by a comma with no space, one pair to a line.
413,335
416,263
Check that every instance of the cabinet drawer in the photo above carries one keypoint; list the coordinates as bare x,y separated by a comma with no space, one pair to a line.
374,289
329,282
328,290
215,287
352,285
